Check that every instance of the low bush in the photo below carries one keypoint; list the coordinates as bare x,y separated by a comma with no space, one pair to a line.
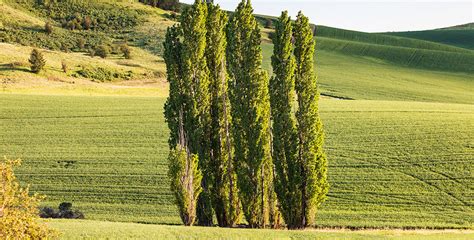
65,211
102,74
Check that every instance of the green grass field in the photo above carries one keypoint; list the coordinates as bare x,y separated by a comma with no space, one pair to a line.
396,164
75,229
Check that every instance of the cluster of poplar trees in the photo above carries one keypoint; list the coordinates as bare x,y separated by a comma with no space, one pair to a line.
243,144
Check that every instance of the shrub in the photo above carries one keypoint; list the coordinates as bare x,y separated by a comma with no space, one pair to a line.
48,28
65,211
102,74
127,52
64,66
81,43
102,51
37,61
91,52
18,210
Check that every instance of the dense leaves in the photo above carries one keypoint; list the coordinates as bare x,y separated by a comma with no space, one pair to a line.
223,189
37,61
250,115
18,210
310,129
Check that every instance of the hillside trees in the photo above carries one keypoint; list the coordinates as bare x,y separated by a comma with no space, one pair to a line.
18,210
224,181
250,116
37,61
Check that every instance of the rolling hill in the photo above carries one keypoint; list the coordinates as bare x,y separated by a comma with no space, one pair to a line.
400,152
460,36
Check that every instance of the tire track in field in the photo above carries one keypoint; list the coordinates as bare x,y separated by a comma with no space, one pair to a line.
407,174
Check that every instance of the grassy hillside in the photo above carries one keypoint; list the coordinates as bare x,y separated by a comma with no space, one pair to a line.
461,36
363,77
382,39
107,230
398,164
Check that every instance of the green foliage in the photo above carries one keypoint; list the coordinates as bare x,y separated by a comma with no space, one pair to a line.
185,182
96,15
221,168
55,40
288,177
196,78
48,28
250,116
126,51
18,210
172,5
102,74
37,61
311,155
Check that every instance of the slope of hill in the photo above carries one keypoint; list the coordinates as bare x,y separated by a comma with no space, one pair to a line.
460,36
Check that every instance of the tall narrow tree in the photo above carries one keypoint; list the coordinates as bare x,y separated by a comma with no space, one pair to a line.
224,180
183,172
310,129
288,177
196,74
250,115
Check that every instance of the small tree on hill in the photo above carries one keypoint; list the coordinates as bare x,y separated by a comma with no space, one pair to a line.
127,52
48,28
37,61
102,51
19,211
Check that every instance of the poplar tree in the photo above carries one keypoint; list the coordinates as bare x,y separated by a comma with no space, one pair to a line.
183,164
250,115
196,76
310,128
224,185
288,178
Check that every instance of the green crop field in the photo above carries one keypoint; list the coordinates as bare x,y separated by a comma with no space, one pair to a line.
397,164
76,229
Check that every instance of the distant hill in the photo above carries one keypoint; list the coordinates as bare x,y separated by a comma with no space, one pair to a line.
458,36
